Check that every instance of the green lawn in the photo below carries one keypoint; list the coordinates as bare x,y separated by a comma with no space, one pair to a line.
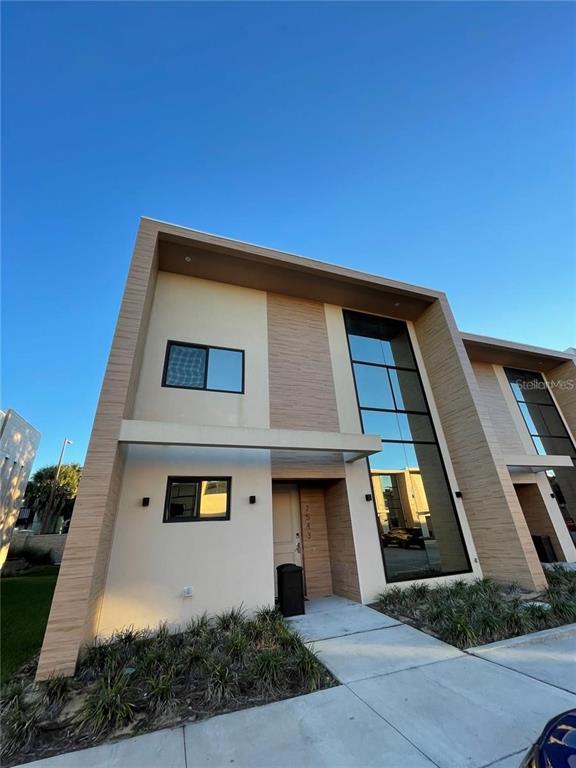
24,608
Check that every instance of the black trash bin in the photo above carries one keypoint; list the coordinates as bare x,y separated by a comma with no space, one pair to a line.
290,589
544,549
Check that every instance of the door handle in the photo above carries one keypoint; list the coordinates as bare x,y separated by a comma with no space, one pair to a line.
298,548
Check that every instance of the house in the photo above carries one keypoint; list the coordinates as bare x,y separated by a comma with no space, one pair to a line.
261,408
18,445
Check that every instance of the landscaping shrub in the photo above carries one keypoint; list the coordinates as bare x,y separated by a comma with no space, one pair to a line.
109,705
34,556
151,679
20,717
467,613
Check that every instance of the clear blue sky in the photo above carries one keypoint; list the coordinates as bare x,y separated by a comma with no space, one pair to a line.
431,143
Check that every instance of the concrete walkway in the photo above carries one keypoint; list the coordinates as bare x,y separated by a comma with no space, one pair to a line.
407,701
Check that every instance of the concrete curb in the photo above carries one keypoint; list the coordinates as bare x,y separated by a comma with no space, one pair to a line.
533,637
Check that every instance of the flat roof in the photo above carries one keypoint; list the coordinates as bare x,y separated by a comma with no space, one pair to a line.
500,351
200,254
192,252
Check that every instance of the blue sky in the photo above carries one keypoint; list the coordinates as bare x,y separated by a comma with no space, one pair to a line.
431,143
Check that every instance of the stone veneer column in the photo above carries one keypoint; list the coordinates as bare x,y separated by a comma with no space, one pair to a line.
562,381
500,532
82,577
345,581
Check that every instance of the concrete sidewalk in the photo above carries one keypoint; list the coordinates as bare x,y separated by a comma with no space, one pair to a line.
549,656
408,701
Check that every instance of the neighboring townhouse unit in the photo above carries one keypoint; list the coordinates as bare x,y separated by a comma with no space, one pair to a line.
261,408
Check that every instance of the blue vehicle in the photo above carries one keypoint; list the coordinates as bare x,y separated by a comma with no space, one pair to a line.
556,746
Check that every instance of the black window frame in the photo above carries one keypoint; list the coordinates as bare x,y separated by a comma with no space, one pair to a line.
346,313
549,403
196,479
205,388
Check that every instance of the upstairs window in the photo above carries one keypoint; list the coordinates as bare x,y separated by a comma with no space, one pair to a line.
195,498
195,366
540,414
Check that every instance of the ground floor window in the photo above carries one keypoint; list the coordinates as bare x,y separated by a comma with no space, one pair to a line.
419,532
195,498
563,484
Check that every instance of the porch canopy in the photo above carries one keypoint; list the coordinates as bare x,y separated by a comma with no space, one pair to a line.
535,462
351,446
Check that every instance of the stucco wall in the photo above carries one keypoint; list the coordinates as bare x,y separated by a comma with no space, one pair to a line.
226,562
204,312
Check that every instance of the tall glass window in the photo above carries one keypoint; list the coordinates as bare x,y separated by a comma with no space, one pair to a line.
549,435
420,536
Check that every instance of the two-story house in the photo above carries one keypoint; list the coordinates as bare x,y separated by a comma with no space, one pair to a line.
261,408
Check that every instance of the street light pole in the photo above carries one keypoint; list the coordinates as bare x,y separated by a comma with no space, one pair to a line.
47,523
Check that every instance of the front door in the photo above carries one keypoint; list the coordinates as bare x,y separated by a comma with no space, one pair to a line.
286,523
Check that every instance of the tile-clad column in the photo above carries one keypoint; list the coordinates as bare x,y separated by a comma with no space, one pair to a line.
301,383
500,532
345,580
74,611
302,394
562,381
315,542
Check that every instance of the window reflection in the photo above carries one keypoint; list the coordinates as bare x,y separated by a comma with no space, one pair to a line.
563,485
417,524
416,520
549,435
373,386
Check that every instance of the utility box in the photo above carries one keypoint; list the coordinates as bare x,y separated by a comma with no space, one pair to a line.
544,549
290,589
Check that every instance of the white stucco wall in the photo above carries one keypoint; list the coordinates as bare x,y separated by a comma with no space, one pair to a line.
226,562
205,312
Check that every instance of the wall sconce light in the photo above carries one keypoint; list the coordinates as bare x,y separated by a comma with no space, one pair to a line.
252,499
146,501
458,494
368,497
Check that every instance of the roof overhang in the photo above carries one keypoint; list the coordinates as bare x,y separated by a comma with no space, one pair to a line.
484,349
351,446
199,254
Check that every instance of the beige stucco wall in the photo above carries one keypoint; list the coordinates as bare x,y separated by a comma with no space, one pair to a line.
226,562
204,312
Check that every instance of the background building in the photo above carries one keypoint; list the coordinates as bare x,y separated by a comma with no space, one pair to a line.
18,445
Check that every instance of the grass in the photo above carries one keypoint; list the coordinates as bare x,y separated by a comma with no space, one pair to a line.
142,680
466,614
25,605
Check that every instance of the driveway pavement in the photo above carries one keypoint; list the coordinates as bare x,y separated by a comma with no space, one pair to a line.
407,701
